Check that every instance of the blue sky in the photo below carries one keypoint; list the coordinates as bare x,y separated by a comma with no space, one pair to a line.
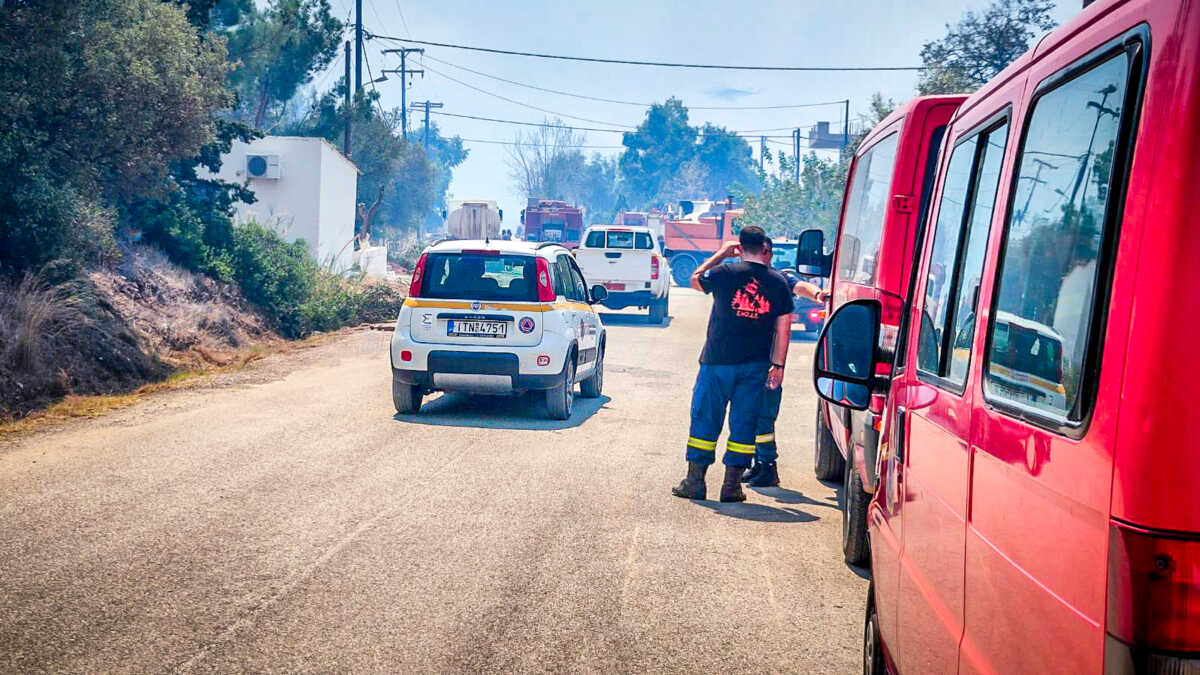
767,32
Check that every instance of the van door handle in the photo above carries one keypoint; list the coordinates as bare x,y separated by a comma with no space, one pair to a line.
901,427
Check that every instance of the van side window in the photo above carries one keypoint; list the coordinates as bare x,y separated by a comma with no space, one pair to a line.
956,261
595,239
866,208
1046,290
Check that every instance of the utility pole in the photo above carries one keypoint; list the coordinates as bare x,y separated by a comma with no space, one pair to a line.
349,104
796,154
358,34
427,104
404,73
762,151
846,126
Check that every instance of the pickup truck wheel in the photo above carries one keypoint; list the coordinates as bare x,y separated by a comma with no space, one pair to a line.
829,463
658,310
855,547
561,399
873,661
682,267
406,397
593,386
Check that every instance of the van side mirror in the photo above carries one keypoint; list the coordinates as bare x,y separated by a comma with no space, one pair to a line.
599,293
810,254
846,354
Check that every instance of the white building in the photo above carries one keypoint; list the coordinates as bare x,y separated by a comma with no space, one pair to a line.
306,189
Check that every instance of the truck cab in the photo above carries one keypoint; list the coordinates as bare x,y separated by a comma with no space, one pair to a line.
628,262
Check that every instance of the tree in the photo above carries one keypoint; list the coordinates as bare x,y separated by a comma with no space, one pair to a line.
101,98
278,49
666,159
785,207
545,162
981,45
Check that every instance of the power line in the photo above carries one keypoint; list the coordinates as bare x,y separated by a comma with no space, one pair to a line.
632,103
524,105
660,64
575,128
592,147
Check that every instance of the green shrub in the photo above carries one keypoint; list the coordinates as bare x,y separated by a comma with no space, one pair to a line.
379,303
333,303
278,276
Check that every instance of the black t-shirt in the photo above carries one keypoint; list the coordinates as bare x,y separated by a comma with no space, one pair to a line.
747,298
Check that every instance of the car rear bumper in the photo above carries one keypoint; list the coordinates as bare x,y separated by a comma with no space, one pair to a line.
623,299
484,372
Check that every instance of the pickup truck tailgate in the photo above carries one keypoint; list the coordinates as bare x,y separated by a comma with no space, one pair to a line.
603,266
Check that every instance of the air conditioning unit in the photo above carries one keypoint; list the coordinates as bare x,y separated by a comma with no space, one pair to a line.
262,166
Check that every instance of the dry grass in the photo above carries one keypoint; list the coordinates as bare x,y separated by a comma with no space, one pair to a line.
32,316
74,406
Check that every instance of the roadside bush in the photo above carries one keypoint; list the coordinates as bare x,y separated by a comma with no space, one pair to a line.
333,303
379,303
278,276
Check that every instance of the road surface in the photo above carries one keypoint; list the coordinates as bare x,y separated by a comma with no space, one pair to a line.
286,520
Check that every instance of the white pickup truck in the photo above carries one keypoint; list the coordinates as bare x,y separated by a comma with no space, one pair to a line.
628,262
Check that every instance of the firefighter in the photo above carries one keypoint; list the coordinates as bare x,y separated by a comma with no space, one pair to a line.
744,353
765,473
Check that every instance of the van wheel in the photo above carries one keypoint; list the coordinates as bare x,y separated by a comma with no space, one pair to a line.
406,397
855,547
829,463
594,385
658,310
873,662
561,399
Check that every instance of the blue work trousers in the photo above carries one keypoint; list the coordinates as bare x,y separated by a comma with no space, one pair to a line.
738,388
764,431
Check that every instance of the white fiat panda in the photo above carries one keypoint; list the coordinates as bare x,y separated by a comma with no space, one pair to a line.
498,317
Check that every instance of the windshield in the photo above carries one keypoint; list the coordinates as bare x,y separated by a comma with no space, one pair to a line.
478,276
784,256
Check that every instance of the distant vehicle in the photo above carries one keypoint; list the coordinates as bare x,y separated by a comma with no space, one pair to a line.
1037,504
694,235
498,317
473,219
629,264
654,219
888,193
552,221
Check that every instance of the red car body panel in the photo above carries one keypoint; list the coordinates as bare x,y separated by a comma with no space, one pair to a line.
991,535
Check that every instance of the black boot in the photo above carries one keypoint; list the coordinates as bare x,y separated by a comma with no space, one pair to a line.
767,476
752,472
693,486
731,489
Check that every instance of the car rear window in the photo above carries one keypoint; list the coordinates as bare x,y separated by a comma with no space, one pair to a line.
480,276
627,240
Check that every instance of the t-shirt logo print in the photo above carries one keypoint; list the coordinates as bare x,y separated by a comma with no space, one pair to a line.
748,302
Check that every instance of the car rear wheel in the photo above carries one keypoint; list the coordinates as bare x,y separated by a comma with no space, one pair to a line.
593,386
561,399
855,547
873,662
658,310
829,463
406,397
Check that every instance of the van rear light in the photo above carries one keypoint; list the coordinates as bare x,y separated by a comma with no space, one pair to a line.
545,289
1153,600
891,309
479,251
414,287
653,267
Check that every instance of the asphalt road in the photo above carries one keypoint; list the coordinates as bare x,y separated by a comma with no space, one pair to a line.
286,520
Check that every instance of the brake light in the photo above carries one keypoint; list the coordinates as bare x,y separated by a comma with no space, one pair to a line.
816,314
1154,592
653,267
414,287
479,251
544,287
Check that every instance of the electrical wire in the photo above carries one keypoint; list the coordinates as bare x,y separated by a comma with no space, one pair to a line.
749,132
524,105
632,103
493,142
660,64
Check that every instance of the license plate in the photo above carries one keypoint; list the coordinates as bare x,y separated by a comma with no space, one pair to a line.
489,329
615,287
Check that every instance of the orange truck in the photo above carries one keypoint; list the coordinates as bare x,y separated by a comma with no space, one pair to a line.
697,232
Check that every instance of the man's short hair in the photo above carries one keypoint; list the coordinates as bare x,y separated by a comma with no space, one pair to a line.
753,239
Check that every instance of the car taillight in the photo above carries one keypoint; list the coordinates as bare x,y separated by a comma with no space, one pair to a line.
653,267
414,288
816,314
544,287
1153,601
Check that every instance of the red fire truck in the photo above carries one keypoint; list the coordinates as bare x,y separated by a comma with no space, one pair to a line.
697,233
552,220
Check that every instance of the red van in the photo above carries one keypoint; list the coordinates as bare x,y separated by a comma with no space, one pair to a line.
1039,499
887,194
